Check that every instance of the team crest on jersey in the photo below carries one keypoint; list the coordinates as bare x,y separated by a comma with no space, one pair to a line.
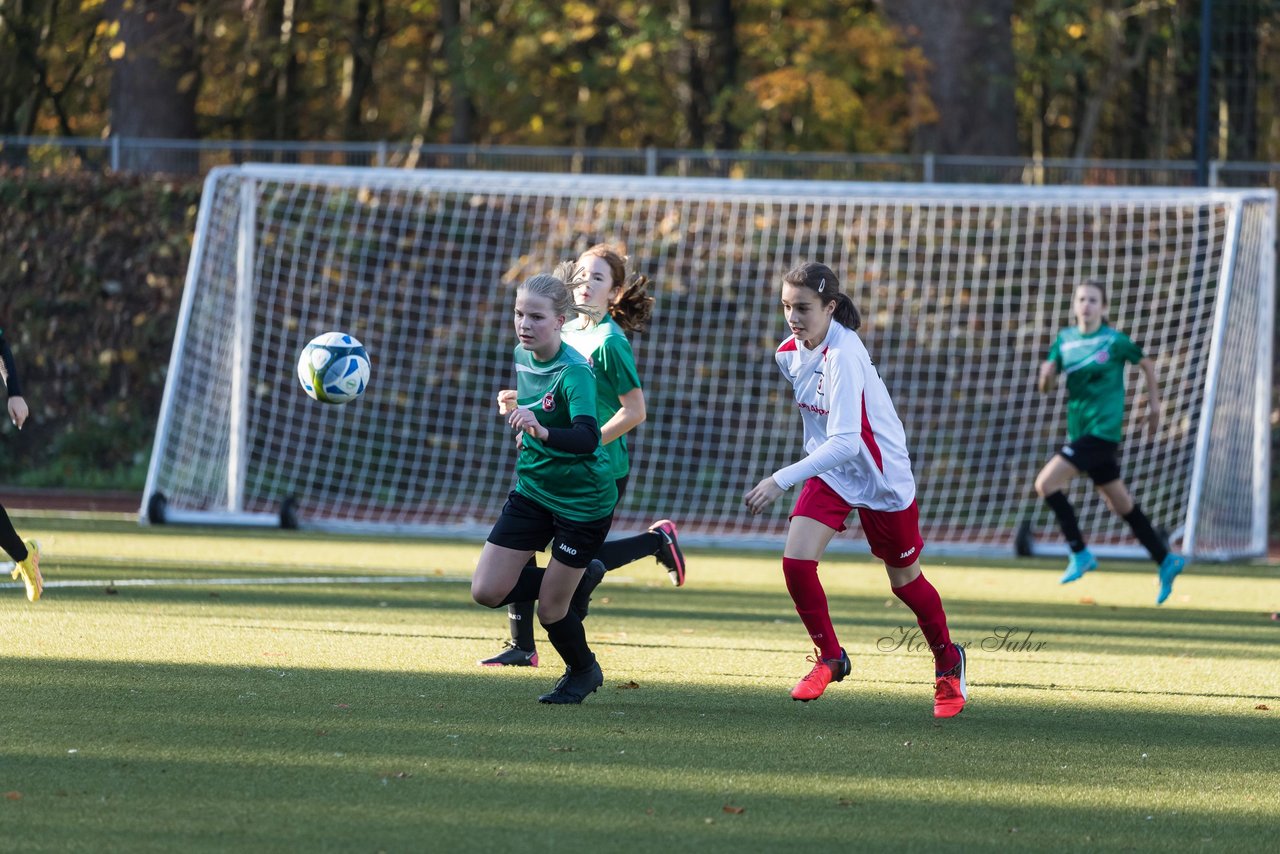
549,402
1103,357
821,378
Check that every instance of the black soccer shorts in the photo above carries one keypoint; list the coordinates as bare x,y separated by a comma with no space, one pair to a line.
1095,457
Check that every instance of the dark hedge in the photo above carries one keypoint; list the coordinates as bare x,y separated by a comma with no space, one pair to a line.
91,274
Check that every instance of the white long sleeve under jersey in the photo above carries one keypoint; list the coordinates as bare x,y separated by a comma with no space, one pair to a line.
852,434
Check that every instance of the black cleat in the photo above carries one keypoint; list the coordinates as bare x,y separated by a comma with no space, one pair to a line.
591,578
575,685
512,656
669,554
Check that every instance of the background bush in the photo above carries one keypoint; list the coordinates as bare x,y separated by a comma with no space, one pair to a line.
91,273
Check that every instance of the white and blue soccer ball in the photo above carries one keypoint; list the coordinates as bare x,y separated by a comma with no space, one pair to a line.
333,368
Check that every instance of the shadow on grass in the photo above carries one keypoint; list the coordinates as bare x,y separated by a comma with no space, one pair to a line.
859,619
122,756
113,524
1051,566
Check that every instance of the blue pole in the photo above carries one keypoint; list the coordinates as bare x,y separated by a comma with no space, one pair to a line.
1202,97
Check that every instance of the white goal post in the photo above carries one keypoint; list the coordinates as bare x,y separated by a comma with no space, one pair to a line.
961,288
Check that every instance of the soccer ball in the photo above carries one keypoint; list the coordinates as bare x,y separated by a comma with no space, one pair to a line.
333,368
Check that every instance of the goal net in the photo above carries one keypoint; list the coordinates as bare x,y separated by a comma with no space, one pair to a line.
961,288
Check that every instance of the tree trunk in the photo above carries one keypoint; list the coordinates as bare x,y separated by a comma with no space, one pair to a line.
723,65
20,81
461,109
707,66
689,83
154,80
969,47
274,110
1240,81
1115,68
367,33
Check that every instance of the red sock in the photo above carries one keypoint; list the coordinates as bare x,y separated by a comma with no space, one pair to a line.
922,598
811,604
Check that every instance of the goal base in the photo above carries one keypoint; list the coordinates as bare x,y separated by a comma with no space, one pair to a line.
1024,545
158,512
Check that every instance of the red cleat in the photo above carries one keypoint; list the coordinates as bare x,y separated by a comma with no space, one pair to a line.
824,672
951,693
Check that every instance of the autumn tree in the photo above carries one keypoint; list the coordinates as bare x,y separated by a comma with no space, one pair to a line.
818,84
971,73
48,50
1096,78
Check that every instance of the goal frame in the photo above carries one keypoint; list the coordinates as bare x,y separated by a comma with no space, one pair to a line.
155,505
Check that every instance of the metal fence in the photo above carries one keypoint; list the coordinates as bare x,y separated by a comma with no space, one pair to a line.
196,157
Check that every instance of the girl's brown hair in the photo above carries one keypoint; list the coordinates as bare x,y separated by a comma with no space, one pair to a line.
557,286
1097,283
632,308
821,280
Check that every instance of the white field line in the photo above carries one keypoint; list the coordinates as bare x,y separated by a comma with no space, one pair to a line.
229,565
248,582
5,569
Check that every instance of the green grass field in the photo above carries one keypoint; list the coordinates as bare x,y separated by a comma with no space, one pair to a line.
352,716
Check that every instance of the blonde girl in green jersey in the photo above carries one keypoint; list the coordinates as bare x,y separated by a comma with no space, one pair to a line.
564,493
621,301
1092,355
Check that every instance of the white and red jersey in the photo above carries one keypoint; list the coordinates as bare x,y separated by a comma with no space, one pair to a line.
852,434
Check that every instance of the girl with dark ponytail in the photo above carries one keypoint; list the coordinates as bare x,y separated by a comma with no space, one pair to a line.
856,459
822,281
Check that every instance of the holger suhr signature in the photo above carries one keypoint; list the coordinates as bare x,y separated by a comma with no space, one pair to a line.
1003,639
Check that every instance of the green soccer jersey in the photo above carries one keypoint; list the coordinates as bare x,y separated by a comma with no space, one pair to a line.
579,487
1094,365
609,352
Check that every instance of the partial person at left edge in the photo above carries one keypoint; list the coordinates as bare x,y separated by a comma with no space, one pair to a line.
25,553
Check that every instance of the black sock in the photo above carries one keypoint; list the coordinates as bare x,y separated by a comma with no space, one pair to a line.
520,616
586,586
1146,535
9,539
570,640
1061,506
616,553
527,587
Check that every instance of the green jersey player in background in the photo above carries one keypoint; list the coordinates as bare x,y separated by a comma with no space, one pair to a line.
623,305
564,493
25,553
1093,356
